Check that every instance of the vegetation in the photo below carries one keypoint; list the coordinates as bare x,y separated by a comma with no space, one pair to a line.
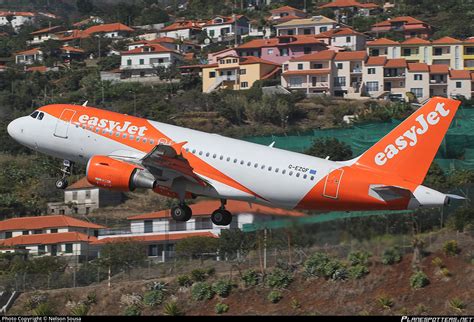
172,309
279,278
132,310
274,296
153,297
124,254
184,280
451,248
202,291
221,308
250,278
391,256
357,271
330,147
419,280
80,310
198,275
196,247
385,302
44,309
222,287
457,304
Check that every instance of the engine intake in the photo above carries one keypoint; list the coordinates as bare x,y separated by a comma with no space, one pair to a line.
105,172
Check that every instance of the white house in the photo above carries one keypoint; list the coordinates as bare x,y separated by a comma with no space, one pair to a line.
16,18
29,57
221,27
183,29
305,26
42,35
344,38
142,61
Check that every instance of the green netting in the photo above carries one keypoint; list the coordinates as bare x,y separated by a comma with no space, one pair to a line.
456,151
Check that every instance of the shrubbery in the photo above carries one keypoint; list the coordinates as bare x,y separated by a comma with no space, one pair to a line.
250,278
221,308
154,297
314,265
451,248
202,291
419,280
274,296
359,258
357,271
222,288
132,310
279,278
391,256
172,309
198,275
184,280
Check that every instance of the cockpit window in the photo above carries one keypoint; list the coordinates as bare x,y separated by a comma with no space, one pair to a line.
34,114
40,116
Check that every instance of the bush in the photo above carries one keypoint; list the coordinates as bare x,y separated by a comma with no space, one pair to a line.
132,310
80,310
438,262
172,309
198,275
391,256
445,272
457,304
35,300
357,271
295,304
184,280
335,269
222,288
274,296
44,309
158,286
451,248
152,298
314,265
202,291
385,302
279,278
221,308
250,278
419,280
359,258
211,271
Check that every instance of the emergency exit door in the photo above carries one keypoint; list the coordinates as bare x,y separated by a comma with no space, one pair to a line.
333,181
62,125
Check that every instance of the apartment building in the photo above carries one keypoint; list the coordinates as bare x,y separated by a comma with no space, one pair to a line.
280,49
443,51
345,38
356,75
223,27
237,73
405,25
305,26
468,53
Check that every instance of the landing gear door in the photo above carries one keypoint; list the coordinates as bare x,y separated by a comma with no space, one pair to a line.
331,186
63,122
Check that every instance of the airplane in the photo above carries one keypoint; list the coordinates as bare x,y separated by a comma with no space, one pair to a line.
124,152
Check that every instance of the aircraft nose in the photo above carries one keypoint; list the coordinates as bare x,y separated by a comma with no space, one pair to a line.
12,128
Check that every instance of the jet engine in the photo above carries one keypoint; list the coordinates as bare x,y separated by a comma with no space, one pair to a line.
105,172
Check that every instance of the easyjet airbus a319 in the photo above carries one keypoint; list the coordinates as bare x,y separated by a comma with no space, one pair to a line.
123,152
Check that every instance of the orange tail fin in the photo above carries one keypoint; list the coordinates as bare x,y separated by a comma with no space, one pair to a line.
409,149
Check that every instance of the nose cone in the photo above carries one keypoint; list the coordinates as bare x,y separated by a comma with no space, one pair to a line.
13,128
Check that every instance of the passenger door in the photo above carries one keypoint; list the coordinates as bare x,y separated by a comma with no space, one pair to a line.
331,186
62,125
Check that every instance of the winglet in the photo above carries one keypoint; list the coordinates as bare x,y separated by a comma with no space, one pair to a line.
178,147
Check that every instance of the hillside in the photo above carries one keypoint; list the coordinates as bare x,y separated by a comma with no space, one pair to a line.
385,285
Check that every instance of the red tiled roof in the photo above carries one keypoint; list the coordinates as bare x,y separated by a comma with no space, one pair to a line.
40,69
415,41
469,40
17,13
338,32
447,40
155,48
29,51
396,63
351,55
206,207
285,9
348,3
47,239
42,222
459,74
405,19
382,42
439,69
110,27
72,34
272,73
323,71
185,24
418,67
72,49
156,237
282,19
255,60
225,20
322,55
45,30
273,42
81,184
376,61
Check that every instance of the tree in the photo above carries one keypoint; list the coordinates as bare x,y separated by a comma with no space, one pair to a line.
234,242
123,254
194,247
332,147
153,15
84,7
51,51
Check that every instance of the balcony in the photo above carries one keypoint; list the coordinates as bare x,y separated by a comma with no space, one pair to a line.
319,85
227,78
438,82
394,75
356,71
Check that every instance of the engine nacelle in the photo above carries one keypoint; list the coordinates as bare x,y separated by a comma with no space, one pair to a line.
105,172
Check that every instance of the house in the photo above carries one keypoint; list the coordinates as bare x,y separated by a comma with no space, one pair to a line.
259,31
29,57
418,80
373,76
69,53
183,29
92,20
183,46
282,48
345,9
223,27
40,36
143,61
415,49
406,25
439,80
306,26
212,58
460,83
160,232
237,73
346,38
82,198
285,13
111,30
41,225
17,19
384,47
447,51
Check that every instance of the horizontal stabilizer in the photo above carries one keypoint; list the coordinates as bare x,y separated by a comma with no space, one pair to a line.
455,197
388,193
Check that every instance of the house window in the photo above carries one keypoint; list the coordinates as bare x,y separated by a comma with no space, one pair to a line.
212,74
285,67
418,92
74,195
152,250
129,62
283,51
296,81
270,51
243,71
148,226
211,33
203,223
323,29
317,66
68,249
339,81
374,52
438,51
307,50
406,52
244,84
8,234
142,61
307,31
372,86
228,61
371,71
41,249
339,65
37,231
234,60
54,230
458,85
348,39
300,66
418,77
88,194
25,232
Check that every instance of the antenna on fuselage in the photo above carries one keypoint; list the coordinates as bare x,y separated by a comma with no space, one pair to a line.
327,158
85,103
272,144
